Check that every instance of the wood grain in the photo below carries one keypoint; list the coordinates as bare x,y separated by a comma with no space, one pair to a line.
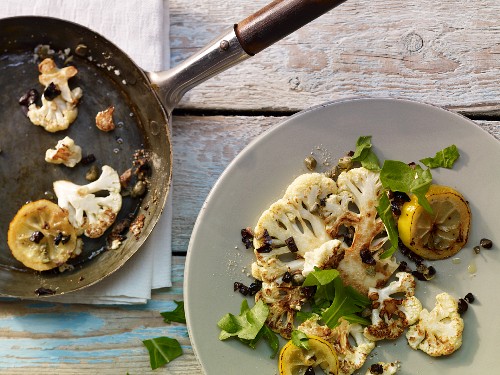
50,338
445,53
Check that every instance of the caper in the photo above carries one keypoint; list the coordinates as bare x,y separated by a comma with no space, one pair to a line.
486,243
92,174
139,189
311,163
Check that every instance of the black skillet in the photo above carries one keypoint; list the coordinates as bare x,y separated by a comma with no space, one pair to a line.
143,105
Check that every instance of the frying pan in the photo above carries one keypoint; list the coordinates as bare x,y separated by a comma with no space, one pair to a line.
143,104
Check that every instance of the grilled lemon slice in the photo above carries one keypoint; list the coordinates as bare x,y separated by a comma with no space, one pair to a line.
40,235
439,234
294,360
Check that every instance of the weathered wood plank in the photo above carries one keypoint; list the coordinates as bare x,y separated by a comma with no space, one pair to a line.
203,147
445,53
53,338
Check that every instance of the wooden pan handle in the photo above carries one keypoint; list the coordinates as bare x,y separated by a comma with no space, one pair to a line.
277,20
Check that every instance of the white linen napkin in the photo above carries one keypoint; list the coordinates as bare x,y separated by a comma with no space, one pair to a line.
141,29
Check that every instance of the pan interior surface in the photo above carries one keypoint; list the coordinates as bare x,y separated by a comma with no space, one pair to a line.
108,78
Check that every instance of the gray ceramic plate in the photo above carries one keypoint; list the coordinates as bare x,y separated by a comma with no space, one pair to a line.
401,130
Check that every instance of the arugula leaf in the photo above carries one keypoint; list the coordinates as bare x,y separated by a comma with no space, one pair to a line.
353,318
322,280
444,158
385,212
300,339
245,326
365,155
176,315
162,350
398,176
347,301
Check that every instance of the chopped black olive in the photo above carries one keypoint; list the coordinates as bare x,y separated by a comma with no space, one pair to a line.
310,371
403,267
486,243
255,287
367,257
287,277
469,297
240,287
462,305
247,237
61,238
51,92
44,292
266,248
32,96
397,199
376,368
88,159
36,237
292,246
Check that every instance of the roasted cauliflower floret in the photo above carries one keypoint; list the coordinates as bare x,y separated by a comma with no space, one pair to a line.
438,332
354,206
351,357
391,316
295,216
66,152
59,111
384,368
326,256
88,213
284,300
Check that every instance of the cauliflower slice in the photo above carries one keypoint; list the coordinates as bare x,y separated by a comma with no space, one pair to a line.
56,114
295,216
391,316
284,300
88,213
438,332
384,368
355,206
323,257
351,357
66,152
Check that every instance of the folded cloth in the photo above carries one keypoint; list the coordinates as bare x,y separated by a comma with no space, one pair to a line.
141,29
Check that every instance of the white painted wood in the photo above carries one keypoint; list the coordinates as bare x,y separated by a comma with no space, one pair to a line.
442,52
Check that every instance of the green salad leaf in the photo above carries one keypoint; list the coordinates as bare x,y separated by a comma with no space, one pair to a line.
347,301
249,327
177,315
162,350
398,176
342,301
245,326
385,212
300,339
444,158
365,155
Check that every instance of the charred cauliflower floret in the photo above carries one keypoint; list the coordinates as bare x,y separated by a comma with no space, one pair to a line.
351,346
284,300
292,227
390,315
59,102
354,207
438,332
66,152
88,213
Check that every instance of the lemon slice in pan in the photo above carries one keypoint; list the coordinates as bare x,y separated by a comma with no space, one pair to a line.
294,360
40,235
439,234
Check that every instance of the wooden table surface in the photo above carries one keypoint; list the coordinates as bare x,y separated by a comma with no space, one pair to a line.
446,53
